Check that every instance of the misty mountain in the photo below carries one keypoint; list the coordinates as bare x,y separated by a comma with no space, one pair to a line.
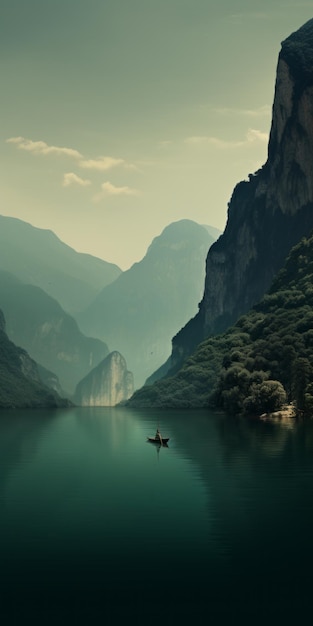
138,313
20,382
38,257
37,323
108,384
214,232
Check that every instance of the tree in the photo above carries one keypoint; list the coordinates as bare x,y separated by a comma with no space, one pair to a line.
301,376
266,397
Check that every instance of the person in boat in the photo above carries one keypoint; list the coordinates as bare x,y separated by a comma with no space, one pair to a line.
157,435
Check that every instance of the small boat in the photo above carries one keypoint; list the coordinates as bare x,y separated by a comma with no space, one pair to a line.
161,442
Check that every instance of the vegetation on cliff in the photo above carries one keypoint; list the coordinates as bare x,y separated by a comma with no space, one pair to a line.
261,362
268,214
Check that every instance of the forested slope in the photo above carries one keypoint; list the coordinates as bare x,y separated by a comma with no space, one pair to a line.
263,360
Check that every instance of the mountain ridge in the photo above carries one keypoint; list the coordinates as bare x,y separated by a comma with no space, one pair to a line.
138,313
20,382
36,322
37,256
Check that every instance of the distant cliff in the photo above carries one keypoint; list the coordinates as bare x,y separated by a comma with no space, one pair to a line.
268,214
107,384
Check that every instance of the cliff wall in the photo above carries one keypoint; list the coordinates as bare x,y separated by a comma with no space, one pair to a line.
268,214
107,384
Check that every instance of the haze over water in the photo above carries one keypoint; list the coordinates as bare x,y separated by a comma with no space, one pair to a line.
99,526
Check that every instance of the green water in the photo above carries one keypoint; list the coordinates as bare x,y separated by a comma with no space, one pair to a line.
97,526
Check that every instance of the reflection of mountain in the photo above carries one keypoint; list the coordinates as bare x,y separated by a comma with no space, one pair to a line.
20,435
38,257
221,523
138,313
258,478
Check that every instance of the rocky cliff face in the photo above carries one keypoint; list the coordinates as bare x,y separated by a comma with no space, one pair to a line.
107,384
268,214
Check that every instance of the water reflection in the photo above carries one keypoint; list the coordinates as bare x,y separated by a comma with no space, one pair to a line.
20,436
225,511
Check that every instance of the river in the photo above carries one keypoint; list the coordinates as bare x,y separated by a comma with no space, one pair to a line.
97,526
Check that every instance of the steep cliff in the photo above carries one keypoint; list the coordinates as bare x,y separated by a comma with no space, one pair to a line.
259,362
268,214
107,384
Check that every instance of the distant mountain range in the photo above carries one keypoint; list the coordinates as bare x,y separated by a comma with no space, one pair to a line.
37,322
38,257
41,279
20,382
138,313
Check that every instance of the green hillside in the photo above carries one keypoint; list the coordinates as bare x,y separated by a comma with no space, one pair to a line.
20,384
37,323
263,360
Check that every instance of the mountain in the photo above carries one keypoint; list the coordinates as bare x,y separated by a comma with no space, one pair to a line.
108,384
37,323
38,257
267,214
214,232
261,362
20,383
138,313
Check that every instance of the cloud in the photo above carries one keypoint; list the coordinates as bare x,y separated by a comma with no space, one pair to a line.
198,140
252,136
111,190
102,163
72,179
42,148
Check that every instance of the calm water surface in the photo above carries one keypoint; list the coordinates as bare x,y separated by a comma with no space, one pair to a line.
97,526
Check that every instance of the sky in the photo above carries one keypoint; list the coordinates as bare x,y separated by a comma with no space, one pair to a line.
122,116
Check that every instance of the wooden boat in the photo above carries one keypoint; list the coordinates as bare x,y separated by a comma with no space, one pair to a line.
160,441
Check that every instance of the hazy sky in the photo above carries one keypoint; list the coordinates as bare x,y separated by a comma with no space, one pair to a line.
121,116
